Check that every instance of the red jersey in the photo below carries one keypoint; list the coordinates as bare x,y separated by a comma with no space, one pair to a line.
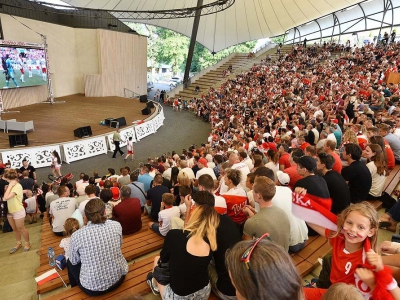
235,205
284,160
390,156
304,146
337,166
294,175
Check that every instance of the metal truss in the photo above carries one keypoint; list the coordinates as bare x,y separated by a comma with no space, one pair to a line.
388,7
188,12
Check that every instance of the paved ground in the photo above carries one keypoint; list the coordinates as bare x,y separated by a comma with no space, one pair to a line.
180,130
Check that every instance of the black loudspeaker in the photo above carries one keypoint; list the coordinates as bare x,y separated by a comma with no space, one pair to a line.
18,140
150,104
121,121
83,131
146,111
143,98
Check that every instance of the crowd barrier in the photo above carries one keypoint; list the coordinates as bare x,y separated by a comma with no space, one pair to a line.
84,148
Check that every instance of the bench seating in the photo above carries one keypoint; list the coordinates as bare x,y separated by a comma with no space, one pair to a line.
390,184
305,260
135,281
133,246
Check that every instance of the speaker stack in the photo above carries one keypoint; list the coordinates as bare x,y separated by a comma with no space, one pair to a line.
150,104
118,122
84,131
18,140
143,98
146,111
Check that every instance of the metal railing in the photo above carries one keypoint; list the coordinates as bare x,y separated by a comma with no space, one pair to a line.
130,94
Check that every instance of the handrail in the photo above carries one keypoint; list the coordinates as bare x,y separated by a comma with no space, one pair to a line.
132,93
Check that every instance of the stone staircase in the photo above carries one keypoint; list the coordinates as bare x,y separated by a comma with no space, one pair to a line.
213,78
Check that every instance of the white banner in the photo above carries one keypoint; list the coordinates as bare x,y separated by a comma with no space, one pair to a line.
38,157
144,129
84,148
125,135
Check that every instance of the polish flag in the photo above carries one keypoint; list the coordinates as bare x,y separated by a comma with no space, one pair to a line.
45,277
314,210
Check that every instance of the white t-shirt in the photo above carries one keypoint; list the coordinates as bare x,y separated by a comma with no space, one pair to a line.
244,169
206,171
62,209
378,181
31,205
248,162
167,174
188,171
298,228
65,245
165,217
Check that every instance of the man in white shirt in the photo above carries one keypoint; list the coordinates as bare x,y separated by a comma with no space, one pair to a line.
204,169
235,163
61,209
244,158
185,169
90,191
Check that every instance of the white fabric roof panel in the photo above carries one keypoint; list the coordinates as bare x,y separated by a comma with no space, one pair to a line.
245,20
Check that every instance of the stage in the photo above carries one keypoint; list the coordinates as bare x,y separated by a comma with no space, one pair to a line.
55,124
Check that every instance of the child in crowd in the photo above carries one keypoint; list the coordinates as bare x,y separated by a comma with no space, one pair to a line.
31,206
129,148
354,257
167,212
70,226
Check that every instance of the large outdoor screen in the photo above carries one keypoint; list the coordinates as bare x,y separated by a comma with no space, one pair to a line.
22,67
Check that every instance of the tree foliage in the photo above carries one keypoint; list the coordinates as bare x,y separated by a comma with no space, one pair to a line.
169,47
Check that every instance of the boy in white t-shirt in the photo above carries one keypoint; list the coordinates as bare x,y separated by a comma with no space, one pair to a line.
129,148
31,207
167,212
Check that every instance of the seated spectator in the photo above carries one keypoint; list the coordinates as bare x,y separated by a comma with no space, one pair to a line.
189,252
378,168
292,170
124,179
270,218
167,212
154,197
337,186
137,189
271,271
61,209
81,195
31,207
342,291
90,193
128,212
145,178
96,263
356,174
329,148
106,196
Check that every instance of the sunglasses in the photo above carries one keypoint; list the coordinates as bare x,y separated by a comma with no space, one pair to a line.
247,254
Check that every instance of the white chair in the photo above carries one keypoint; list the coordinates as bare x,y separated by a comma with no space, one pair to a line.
19,126
3,124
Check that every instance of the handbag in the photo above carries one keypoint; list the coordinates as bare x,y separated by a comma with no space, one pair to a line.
161,273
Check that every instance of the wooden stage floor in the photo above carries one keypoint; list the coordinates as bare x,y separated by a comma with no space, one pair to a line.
56,123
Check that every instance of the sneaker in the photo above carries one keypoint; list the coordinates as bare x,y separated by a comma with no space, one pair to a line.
122,153
152,286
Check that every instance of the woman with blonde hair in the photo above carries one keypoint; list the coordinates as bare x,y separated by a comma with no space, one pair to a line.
16,211
260,269
188,253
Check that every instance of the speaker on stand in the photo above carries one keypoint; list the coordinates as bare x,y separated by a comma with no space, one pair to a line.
146,111
143,98
84,131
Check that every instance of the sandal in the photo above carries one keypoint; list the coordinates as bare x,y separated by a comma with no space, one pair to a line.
384,224
15,249
27,247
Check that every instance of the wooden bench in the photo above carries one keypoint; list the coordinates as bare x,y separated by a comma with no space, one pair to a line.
390,184
133,246
305,260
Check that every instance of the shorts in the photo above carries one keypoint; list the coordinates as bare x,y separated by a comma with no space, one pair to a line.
17,215
202,294
156,228
130,152
57,167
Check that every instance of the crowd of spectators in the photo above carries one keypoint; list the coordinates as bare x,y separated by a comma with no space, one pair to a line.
321,119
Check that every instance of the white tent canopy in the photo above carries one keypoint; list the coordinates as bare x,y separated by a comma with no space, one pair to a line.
245,20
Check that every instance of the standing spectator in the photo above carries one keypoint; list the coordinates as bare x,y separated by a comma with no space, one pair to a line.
128,212
357,175
26,182
56,164
100,239
26,166
16,211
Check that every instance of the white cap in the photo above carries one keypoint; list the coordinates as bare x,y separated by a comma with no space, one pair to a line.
283,178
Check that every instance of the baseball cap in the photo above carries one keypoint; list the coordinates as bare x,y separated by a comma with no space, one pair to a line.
307,162
203,161
283,178
160,168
